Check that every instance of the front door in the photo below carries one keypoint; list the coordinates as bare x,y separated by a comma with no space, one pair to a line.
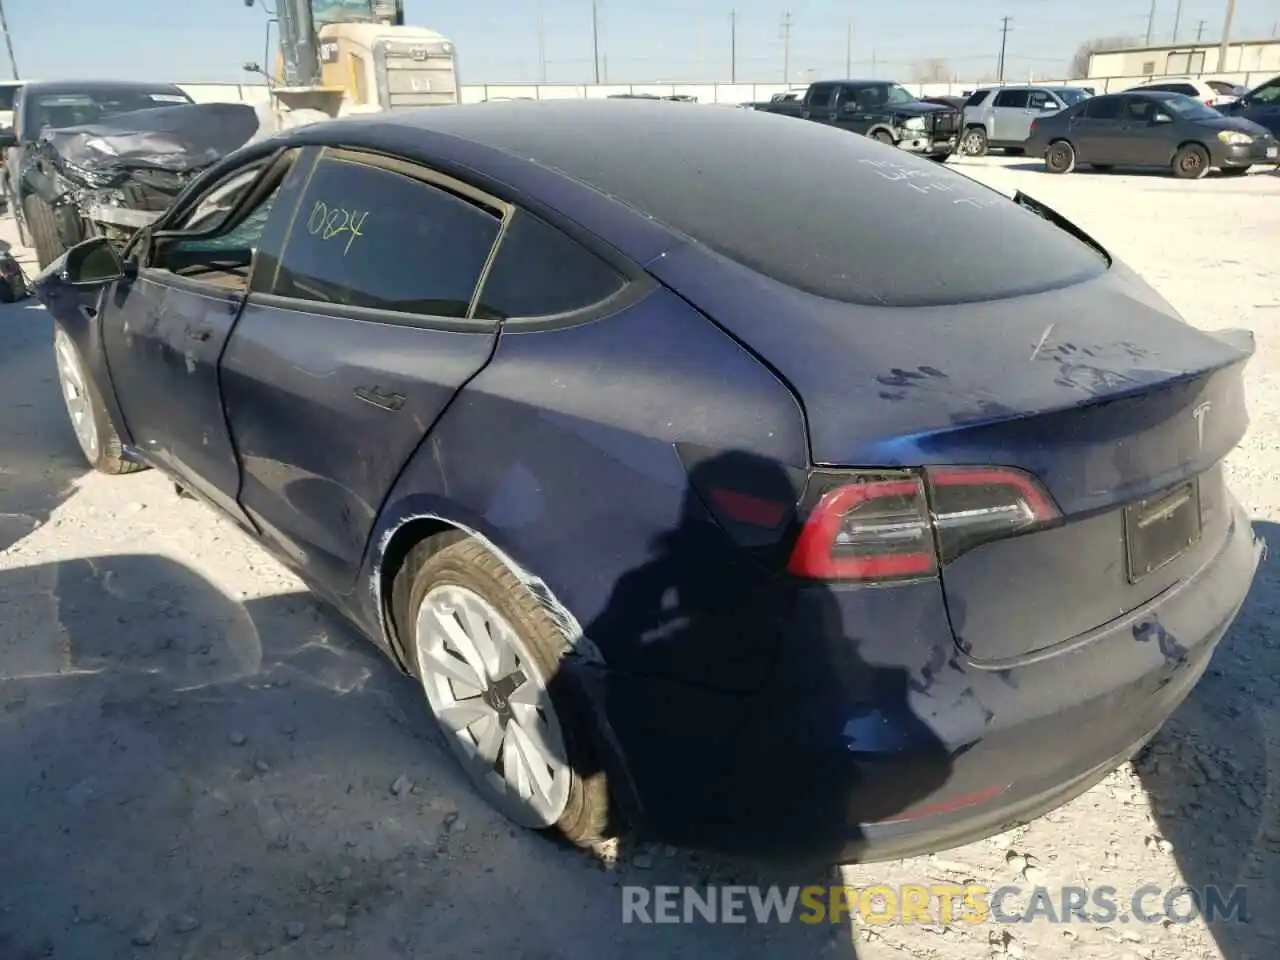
1142,141
349,350
163,333
1263,107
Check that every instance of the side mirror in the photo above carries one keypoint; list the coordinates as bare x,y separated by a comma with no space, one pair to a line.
92,263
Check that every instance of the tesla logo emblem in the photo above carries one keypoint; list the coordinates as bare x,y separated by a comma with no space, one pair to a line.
1200,413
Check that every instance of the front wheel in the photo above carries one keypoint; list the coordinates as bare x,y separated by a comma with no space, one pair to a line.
489,656
883,136
974,143
1191,162
93,428
1060,157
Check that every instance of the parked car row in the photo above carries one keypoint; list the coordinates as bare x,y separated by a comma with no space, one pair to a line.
1186,125
1153,128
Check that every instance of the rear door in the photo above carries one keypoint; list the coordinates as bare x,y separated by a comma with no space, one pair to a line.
820,103
1009,116
1095,130
351,346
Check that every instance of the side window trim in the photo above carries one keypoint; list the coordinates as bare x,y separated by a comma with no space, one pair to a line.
500,209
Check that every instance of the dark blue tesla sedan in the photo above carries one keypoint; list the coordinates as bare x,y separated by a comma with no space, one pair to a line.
733,477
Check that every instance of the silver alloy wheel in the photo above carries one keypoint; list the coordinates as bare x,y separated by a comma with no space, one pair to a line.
972,143
493,705
75,393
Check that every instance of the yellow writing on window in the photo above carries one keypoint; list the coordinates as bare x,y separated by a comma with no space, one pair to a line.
329,222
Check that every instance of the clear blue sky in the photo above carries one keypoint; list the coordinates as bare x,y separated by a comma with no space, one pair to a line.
666,40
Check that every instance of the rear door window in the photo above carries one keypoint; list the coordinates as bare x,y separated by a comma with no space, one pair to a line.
540,271
1103,108
368,237
821,96
1012,98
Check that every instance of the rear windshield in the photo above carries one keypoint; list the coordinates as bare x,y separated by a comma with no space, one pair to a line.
819,209
58,110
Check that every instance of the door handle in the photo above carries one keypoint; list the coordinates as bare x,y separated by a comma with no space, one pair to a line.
376,397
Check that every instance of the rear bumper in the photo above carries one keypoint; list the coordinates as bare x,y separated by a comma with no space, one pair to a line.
878,740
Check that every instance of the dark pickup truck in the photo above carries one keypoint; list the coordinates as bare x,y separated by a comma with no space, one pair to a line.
880,109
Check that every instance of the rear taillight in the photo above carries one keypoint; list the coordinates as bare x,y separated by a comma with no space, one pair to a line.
875,527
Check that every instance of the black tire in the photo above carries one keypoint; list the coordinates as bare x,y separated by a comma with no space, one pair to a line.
883,136
974,142
105,453
42,224
1234,171
1191,162
1101,167
1060,157
454,559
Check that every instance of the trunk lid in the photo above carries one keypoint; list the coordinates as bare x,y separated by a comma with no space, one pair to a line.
1098,389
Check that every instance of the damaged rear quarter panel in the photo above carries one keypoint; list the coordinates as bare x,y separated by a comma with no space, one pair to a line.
561,454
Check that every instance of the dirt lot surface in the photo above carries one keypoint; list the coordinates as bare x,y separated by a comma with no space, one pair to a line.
197,760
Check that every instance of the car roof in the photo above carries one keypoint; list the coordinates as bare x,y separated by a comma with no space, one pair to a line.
93,86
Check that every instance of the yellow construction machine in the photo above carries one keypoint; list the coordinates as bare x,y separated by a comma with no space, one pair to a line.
338,57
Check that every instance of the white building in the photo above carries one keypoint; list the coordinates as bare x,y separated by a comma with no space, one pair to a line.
1248,61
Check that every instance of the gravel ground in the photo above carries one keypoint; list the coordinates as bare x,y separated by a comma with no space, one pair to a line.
198,760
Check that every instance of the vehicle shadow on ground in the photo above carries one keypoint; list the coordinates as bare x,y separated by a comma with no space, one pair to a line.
1213,775
185,774
1084,169
38,449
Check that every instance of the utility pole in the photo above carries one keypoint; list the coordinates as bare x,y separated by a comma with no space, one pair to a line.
1199,30
1177,19
8,41
595,36
1151,22
1226,36
542,46
1004,39
733,46
848,50
786,48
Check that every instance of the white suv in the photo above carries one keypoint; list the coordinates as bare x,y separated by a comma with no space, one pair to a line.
1209,92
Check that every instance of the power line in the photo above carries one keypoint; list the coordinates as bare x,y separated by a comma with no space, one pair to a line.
786,47
848,49
1004,39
